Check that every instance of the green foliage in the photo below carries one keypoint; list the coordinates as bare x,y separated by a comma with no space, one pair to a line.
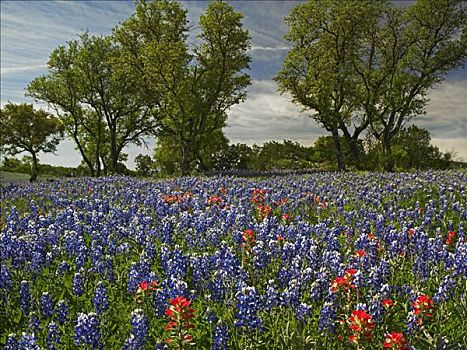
101,111
25,129
144,165
286,155
368,64
192,90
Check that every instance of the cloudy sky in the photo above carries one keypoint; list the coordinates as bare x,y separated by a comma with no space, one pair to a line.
30,30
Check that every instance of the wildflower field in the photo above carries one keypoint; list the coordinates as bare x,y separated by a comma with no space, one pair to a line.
322,261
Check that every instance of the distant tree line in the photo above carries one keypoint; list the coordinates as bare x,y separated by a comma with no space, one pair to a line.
412,148
362,69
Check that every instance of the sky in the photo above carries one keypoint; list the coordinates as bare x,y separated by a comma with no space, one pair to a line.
30,30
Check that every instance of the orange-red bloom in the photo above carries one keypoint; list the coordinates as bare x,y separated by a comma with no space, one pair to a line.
387,303
361,321
395,341
423,306
451,236
360,253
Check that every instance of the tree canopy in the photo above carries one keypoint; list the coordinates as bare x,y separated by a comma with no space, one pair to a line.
368,65
25,129
191,89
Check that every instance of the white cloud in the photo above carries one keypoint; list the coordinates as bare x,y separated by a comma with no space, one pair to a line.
13,70
266,115
458,146
446,116
269,48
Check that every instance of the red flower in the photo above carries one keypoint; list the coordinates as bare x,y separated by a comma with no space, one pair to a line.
180,312
410,232
387,303
359,253
143,286
353,338
371,235
181,306
360,321
280,238
145,289
451,236
215,200
423,306
396,341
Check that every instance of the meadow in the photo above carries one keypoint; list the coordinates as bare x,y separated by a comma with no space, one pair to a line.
320,261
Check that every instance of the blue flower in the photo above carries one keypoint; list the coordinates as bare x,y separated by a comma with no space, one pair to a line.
87,331
99,300
247,309
47,305
221,337
62,311
53,335
139,332
28,342
78,288
25,297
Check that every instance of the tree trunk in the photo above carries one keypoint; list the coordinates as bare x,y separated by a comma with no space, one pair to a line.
113,151
387,152
186,162
34,170
352,142
338,148
83,154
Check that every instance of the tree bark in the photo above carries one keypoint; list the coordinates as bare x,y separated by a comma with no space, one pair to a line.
186,162
113,150
387,152
34,170
338,148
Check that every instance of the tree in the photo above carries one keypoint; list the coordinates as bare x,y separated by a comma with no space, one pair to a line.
168,157
101,109
144,165
61,90
318,70
409,53
193,90
27,130
416,151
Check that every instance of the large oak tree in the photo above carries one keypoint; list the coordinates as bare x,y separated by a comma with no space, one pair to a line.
191,87
25,129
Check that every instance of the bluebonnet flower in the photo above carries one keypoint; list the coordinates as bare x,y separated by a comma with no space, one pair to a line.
63,267
210,317
33,321
272,298
47,305
216,287
5,280
303,312
101,304
247,308
327,318
221,337
161,346
445,289
87,330
139,332
25,297
133,278
11,342
78,288
62,311
28,342
53,335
